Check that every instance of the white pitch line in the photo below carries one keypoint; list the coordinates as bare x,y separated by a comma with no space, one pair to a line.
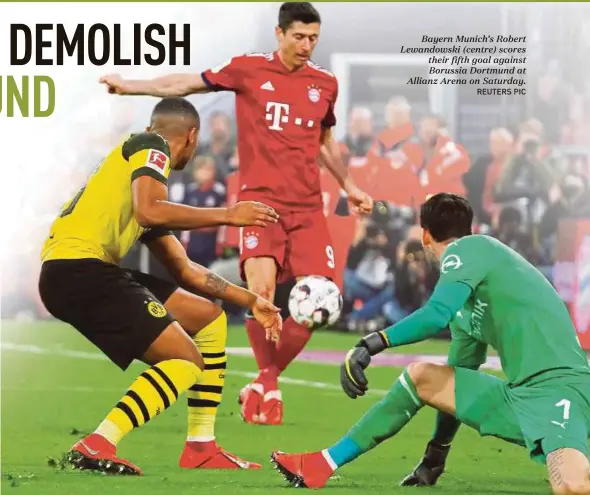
95,356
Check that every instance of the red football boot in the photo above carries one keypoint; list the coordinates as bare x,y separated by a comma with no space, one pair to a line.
271,409
243,394
96,453
309,470
208,455
251,397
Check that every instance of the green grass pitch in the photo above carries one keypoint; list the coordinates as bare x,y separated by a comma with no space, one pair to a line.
56,387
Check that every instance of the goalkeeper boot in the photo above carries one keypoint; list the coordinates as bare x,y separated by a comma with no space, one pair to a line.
208,455
310,470
96,453
430,468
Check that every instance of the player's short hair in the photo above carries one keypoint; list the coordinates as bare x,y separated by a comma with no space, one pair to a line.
175,106
291,12
446,216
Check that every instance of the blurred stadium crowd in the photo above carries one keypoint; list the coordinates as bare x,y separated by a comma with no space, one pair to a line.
520,189
533,172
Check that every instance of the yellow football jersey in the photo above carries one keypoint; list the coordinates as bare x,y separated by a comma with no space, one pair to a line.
98,222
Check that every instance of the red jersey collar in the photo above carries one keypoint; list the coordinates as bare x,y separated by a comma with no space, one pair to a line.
279,63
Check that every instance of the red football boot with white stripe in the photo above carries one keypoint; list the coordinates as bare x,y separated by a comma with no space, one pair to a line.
96,453
208,455
271,409
310,470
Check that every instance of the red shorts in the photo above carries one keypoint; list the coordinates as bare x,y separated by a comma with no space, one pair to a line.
299,242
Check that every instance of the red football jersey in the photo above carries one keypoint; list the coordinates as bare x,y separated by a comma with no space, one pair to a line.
280,115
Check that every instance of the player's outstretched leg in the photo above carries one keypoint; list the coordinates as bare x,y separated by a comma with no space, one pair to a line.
177,364
568,472
201,450
261,401
419,384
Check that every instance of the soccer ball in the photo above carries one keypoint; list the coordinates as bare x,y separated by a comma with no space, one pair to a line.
315,302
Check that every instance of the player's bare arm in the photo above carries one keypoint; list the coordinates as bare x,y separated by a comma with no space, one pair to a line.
192,276
568,471
170,85
331,158
152,209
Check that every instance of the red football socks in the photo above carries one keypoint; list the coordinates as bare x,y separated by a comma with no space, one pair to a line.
264,350
292,341
272,359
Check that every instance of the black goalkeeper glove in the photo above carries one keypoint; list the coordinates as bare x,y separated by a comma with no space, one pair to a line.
352,372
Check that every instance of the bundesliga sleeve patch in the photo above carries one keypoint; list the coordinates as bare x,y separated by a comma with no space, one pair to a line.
157,160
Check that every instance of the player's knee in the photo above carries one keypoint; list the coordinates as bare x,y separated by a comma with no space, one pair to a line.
572,487
194,356
207,313
214,335
418,372
213,312
421,374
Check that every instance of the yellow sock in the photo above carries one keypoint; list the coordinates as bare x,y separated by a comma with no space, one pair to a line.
156,389
205,396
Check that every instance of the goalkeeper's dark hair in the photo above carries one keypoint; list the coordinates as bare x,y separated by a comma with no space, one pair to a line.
291,12
175,109
446,216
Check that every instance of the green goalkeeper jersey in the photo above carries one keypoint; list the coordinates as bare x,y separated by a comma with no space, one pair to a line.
512,307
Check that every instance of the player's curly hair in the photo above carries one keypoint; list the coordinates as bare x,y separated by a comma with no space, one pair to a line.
291,12
446,216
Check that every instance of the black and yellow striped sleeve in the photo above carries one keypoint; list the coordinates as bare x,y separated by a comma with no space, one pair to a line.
154,233
148,154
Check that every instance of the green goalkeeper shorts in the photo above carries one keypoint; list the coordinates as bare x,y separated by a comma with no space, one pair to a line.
549,412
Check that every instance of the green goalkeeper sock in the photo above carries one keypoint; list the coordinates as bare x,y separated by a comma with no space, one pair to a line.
381,422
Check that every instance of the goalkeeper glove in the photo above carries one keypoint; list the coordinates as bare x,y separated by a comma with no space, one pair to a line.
352,372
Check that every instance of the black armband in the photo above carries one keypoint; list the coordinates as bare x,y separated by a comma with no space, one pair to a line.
153,234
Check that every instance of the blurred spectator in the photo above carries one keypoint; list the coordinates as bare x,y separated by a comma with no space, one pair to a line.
360,135
511,232
533,130
576,131
221,145
440,162
415,278
482,178
234,161
529,178
204,192
551,101
399,130
368,265
573,201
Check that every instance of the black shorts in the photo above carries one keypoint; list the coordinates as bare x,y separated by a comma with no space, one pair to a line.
120,311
